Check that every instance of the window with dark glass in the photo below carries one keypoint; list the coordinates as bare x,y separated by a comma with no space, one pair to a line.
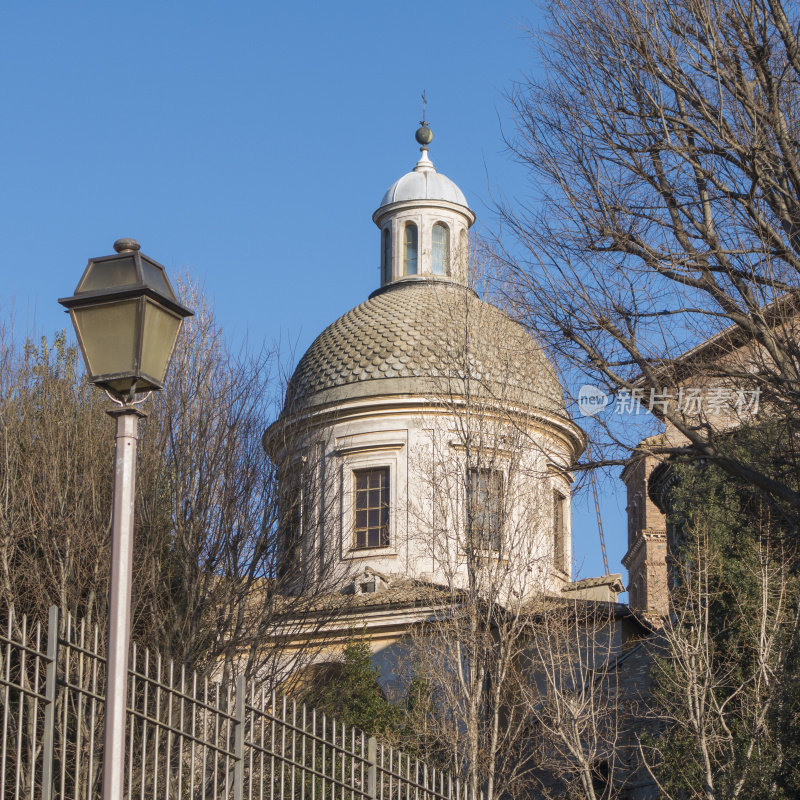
386,255
290,525
410,249
441,249
633,519
559,549
485,508
371,508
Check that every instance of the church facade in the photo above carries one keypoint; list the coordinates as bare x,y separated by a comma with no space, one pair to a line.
425,427
424,441
424,452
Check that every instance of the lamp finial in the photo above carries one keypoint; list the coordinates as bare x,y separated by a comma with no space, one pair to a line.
126,246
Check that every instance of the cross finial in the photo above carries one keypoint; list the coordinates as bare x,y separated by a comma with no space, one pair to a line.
424,134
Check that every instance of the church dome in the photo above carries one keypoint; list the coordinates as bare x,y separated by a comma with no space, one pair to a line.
415,337
424,184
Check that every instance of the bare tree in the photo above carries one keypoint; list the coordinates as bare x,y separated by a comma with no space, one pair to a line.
491,532
56,481
664,139
663,258
571,687
212,525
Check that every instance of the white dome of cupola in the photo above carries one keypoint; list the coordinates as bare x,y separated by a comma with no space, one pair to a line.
424,218
423,183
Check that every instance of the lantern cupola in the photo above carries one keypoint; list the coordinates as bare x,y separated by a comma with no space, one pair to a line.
424,218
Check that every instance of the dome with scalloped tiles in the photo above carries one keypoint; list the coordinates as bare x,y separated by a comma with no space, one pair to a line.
429,338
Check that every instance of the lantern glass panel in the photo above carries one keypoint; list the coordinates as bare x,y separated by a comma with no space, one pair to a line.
154,277
108,335
109,274
158,338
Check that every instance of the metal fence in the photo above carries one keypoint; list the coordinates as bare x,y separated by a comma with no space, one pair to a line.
188,736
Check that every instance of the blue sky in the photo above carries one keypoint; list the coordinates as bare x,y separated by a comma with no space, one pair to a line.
249,143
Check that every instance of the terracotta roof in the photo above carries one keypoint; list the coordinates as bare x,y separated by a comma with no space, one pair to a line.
614,579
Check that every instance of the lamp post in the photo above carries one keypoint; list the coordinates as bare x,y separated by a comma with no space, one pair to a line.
127,319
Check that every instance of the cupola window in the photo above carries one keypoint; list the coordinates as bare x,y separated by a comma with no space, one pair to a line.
441,249
410,249
484,508
386,256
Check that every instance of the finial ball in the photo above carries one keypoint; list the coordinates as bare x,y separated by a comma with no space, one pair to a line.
126,244
424,135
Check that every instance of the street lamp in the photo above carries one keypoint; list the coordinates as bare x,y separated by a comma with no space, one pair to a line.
127,319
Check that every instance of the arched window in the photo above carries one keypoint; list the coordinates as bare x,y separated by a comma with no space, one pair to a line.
441,249
559,532
410,249
633,518
386,256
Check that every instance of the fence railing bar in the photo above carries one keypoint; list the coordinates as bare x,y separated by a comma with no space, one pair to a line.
283,748
192,699
383,750
181,738
351,764
145,700
157,727
75,645
67,662
81,690
313,751
276,753
37,668
20,646
194,744
288,725
93,705
272,757
214,781
316,773
238,739
79,724
341,760
322,754
294,745
130,721
21,709
372,770
170,730
204,728
261,756
25,692
250,753
6,707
